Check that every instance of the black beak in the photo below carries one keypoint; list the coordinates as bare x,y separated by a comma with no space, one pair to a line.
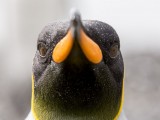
75,25
77,36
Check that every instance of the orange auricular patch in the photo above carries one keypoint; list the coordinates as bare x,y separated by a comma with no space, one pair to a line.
63,48
91,50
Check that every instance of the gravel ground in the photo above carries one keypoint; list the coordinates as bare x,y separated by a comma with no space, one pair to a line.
142,90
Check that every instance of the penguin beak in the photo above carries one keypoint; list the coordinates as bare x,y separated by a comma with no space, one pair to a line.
76,33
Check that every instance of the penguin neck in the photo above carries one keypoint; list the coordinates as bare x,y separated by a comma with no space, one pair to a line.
86,104
80,99
43,113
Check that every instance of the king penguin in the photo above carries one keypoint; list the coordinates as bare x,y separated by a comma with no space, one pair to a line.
78,72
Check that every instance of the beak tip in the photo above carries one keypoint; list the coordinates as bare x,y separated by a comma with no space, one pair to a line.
75,17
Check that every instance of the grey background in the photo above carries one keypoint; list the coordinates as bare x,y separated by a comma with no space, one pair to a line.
137,23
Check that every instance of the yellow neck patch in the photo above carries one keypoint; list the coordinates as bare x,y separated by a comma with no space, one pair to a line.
32,99
122,100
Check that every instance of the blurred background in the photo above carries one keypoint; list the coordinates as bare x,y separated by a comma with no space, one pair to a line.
137,23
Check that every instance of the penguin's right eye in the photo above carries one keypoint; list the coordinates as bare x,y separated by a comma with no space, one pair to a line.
114,50
42,49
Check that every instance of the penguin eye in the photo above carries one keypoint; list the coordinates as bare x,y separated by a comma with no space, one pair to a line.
42,49
113,51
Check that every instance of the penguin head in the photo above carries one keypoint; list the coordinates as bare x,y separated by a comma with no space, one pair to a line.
77,71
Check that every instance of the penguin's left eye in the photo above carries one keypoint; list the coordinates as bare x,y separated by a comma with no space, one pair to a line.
114,51
42,49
